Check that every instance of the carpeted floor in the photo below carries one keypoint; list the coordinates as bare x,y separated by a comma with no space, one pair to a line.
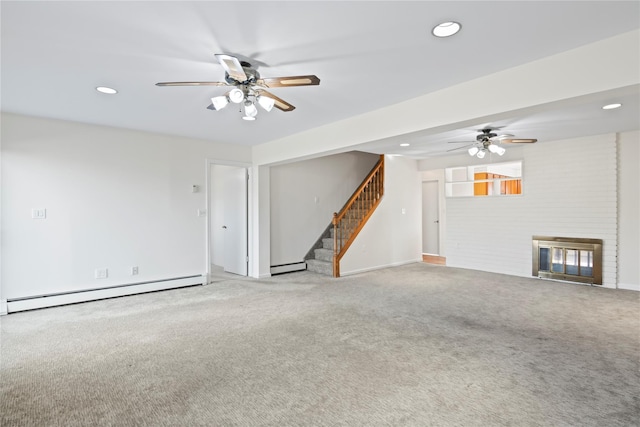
417,345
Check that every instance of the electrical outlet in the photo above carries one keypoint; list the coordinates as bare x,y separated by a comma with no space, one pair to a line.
38,213
101,273
134,270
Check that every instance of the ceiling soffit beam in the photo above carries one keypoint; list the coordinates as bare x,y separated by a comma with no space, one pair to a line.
597,67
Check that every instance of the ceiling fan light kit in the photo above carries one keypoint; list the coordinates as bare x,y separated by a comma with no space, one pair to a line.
248,87
236,96
250,109
497,149
219,102
480,152
487,140
266,102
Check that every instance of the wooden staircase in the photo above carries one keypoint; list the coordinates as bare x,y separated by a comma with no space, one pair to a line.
325,257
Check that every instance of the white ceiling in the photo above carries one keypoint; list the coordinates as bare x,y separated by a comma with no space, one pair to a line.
367,54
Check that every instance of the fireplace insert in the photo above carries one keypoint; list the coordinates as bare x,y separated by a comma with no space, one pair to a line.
567,258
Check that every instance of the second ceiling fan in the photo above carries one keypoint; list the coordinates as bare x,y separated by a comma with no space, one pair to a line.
248,87
487,140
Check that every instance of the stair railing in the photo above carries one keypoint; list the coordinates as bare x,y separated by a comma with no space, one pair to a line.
356,212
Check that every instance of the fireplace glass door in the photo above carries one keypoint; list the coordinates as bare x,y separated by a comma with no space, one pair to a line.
568,260
557,260
576,262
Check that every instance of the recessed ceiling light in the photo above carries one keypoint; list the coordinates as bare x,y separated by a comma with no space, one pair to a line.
405,144
611,106
107,90
446,29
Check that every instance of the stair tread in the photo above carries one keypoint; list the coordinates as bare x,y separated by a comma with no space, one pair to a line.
320,267
323,254
317,261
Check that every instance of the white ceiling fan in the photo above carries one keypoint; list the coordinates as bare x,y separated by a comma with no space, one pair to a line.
488,141
248,87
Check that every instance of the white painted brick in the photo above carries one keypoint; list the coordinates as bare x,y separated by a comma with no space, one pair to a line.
569,190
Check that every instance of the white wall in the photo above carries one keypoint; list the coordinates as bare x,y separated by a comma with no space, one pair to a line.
569,190
114,199
392,236
260,222
628,211
304,196
3,299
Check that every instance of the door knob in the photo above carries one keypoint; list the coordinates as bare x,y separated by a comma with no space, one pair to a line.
224,226
437,221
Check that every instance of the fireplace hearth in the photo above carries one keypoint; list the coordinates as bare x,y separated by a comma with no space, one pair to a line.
567,258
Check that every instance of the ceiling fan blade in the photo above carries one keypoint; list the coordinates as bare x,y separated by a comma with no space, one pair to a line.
232,66
280,104
459,142
460,148
289,81
192,84
518,140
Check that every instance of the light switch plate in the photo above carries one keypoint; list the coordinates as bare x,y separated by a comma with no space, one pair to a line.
38,213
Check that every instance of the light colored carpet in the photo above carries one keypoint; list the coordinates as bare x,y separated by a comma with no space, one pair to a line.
417,345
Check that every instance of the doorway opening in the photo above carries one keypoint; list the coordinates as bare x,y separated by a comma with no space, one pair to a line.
431,223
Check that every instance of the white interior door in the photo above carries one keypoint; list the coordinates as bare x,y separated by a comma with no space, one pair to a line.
235,220
430,218
228,231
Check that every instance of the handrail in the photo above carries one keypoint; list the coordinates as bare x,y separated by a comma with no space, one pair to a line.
356,212
358,190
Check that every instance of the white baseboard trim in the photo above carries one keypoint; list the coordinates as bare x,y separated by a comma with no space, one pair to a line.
3,307
53,300
288,268
629,286
379,267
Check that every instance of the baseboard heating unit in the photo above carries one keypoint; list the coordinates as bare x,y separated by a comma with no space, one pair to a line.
288,268
72,297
